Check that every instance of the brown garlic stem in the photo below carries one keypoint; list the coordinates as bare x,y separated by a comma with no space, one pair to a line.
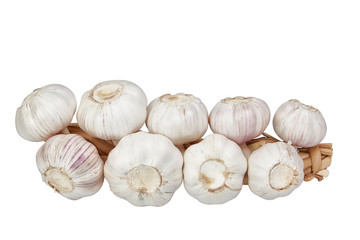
104,147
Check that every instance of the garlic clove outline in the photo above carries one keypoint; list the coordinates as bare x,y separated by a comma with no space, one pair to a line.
299,124
45,112
112,110
240,118
181,117
71,166
275,170
214,170
145,169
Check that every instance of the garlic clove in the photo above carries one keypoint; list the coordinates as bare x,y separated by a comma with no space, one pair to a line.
181,117
71,166
112,110
214,170
240,119
300,124
144,169
45,112
275,170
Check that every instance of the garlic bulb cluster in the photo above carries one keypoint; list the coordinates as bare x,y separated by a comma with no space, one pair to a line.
181,117
147,168
214,170
299,124
112,110
144,169
275,170
71,166
240,119
45,112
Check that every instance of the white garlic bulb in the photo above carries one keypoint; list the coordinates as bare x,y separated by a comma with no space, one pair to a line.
275,170
214,169
144,169
45,112
240,119
299,124
112,110
181,117
71,166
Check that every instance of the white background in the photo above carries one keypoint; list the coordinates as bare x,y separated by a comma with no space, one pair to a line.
273,50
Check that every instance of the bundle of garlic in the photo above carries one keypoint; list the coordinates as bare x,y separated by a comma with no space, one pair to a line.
146,168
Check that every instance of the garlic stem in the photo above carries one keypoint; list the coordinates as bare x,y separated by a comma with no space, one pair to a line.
104,147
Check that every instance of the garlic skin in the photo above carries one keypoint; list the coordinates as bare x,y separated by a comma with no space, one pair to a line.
240,119
145,169
299,124
275,170
214,170
112,110
45,112
71,166
181,117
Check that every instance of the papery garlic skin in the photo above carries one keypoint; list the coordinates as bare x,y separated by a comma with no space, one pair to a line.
299,124
112,110
181,117
240,119
275,170
71,166
144,169
45,112
214,170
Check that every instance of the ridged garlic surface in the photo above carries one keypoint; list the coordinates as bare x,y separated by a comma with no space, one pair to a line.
45,112
112,110
299,124
275,170
71,166
214,170
144,169
240,119
181,117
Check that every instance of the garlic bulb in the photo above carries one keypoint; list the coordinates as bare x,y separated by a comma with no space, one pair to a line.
71,166
144,169
45,112
181,117
112,110
299,124
214,170
240,119
275,170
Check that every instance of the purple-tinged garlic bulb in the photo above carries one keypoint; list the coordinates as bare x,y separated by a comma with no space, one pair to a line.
240,119
71,166
299,124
